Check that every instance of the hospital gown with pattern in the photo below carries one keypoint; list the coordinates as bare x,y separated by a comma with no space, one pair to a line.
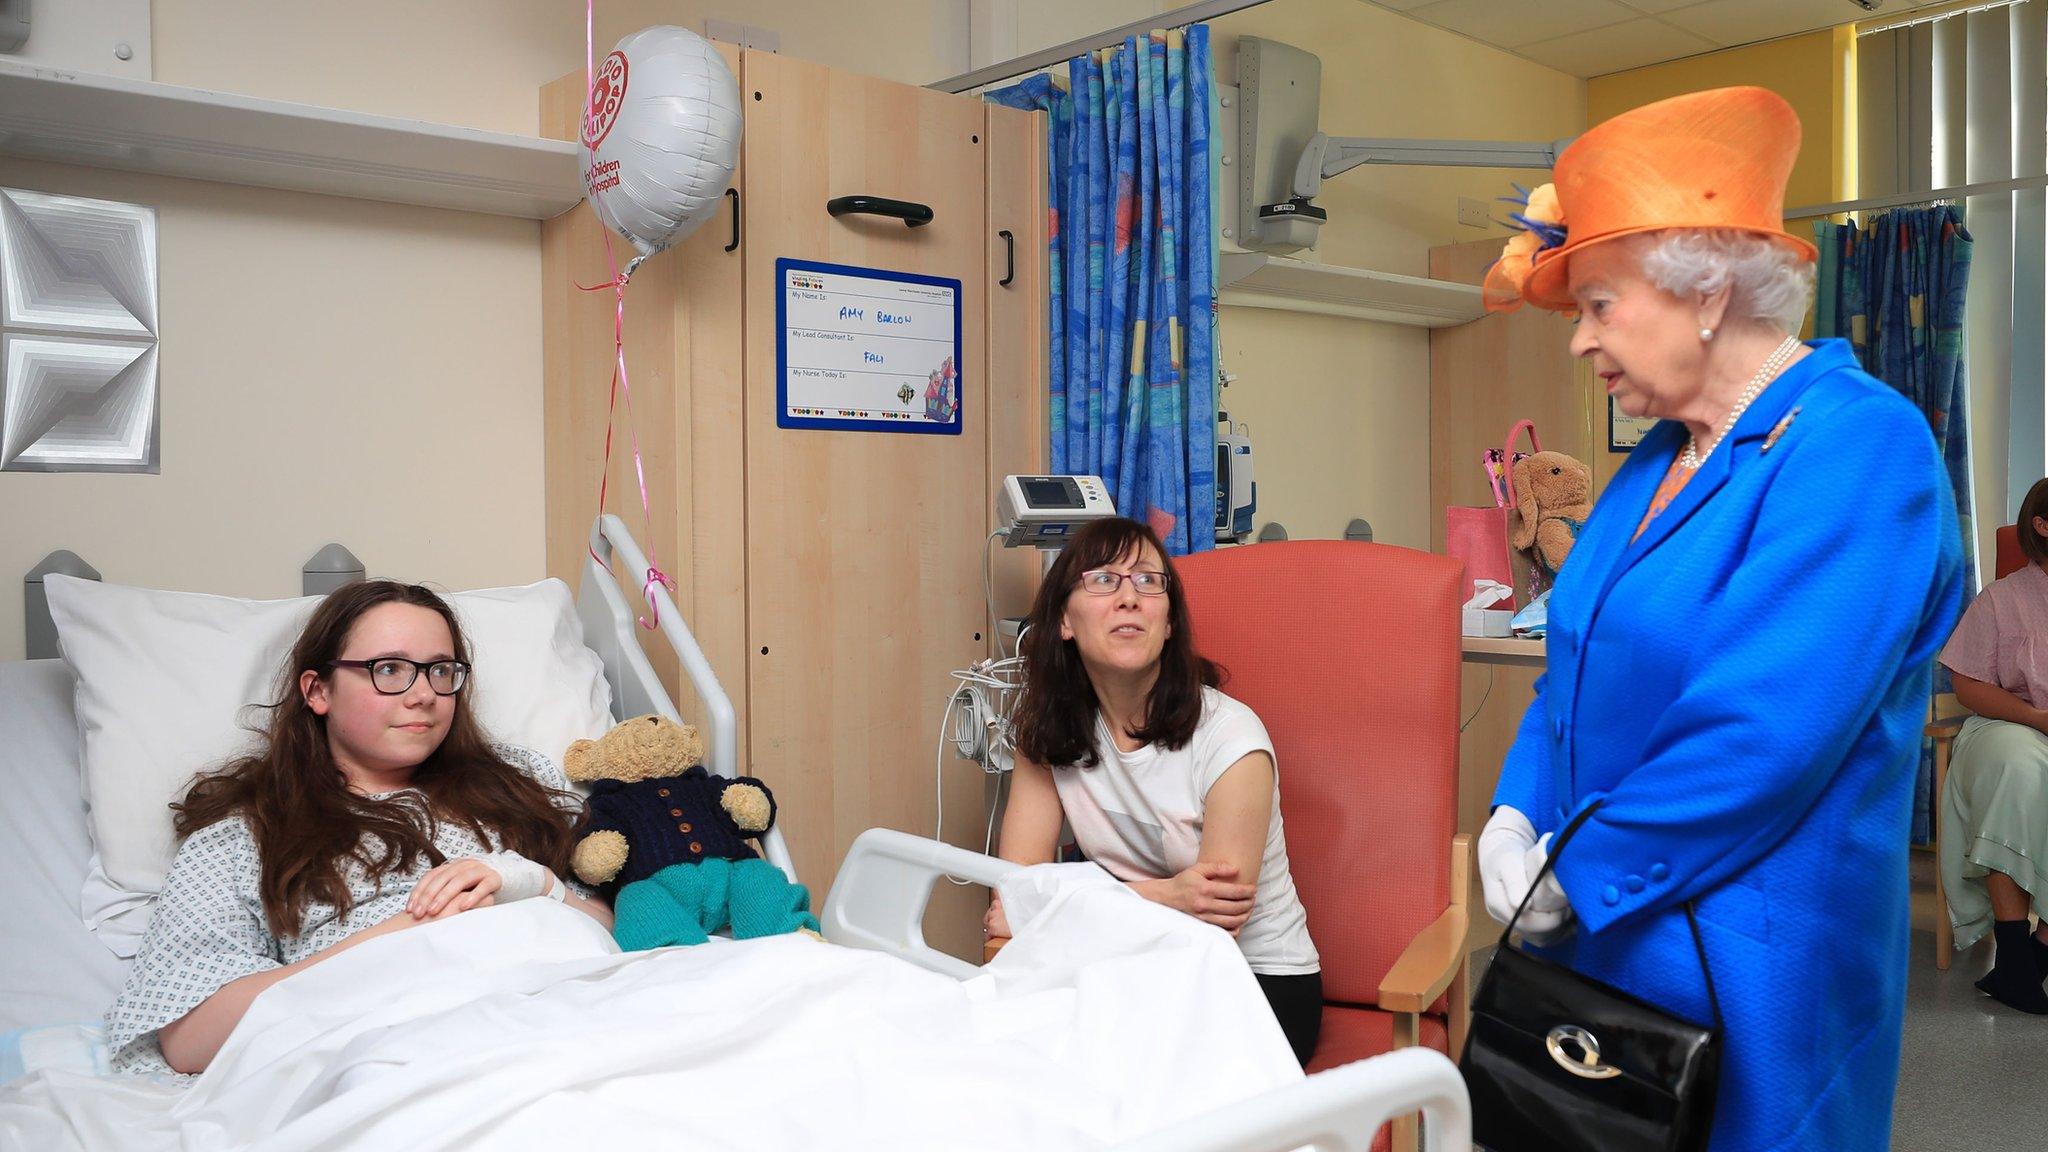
209,929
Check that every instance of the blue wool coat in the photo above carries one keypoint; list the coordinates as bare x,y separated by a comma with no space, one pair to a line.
1743,689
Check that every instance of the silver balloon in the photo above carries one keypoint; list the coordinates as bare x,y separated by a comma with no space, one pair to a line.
662,135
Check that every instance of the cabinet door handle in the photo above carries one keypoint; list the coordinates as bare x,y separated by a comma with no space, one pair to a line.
734,193
1010,259
913,214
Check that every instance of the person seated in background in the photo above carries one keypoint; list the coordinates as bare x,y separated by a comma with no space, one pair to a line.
1994,809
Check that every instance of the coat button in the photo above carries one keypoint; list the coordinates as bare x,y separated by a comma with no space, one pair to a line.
1659,871
696,847
1611,895
684,827
675,811
661,791
1635,883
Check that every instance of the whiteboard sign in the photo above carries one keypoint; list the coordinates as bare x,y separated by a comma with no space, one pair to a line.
866,350
1624,431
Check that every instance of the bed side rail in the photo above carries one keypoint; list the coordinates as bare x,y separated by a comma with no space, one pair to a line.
878,901
611,630
1334,1111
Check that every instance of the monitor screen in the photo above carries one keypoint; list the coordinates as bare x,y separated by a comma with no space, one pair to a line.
1051,492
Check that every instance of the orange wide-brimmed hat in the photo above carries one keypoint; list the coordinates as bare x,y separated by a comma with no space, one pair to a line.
1714,159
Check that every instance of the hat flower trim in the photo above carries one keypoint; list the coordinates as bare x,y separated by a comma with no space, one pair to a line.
1540,225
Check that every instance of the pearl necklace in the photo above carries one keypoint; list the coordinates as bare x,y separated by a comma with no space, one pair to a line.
1692,457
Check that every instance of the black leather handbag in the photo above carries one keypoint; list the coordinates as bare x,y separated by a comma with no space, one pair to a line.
1559,1062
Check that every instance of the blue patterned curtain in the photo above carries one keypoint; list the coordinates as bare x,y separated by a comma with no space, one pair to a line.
1894,288
1133,277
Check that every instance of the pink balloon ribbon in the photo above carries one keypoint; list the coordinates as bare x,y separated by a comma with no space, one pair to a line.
621,381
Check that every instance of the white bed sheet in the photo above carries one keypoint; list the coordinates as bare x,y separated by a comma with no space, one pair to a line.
52,970
521,1027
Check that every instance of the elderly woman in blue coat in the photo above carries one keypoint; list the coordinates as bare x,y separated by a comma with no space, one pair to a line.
1740,645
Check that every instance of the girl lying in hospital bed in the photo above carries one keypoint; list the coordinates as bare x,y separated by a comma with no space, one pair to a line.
1168,784
374,804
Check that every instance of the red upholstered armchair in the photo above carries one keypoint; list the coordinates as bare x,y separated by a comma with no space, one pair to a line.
1349,652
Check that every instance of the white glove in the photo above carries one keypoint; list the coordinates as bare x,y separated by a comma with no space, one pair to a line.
1509,855
1549,897
522,879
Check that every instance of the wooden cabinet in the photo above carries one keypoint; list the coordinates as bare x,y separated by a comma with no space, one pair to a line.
834,577
1483,377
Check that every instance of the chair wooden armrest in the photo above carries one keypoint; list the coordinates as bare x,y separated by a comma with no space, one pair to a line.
1428,965
1945,728
992,945
1942,730
1436,961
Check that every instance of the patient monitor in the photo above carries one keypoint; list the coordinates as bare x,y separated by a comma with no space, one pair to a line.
1237,494
1043,511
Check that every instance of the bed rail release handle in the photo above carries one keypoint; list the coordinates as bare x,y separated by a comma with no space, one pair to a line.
912,214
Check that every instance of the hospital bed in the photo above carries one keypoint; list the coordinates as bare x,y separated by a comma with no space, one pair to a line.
53,971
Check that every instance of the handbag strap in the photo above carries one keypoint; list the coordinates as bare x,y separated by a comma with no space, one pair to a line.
1507,455
1699,946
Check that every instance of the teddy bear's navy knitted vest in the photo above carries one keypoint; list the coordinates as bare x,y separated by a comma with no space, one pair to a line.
667,820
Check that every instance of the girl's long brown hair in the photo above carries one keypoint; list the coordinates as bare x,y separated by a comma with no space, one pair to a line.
1055,719
305,819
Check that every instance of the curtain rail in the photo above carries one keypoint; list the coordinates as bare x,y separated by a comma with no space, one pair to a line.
1904,199
1108,38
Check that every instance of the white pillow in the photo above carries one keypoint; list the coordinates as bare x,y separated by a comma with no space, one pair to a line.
169,685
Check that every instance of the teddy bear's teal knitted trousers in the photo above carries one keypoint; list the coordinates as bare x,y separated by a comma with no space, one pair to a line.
685,903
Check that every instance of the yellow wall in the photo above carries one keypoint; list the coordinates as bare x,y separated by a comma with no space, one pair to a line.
1814,72
1339,408
320,355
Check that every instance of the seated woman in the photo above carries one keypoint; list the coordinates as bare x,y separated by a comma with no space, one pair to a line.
374,804
1994,809
1168,784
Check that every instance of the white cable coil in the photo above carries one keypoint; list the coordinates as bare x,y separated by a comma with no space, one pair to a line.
978,715
977,722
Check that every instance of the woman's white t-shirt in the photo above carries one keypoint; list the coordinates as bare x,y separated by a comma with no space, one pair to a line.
1139,815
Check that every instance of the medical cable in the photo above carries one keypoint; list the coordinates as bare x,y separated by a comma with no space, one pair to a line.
1482,700
988,589
977,723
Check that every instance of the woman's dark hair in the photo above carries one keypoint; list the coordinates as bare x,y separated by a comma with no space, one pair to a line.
2036,504
304,817
1055,719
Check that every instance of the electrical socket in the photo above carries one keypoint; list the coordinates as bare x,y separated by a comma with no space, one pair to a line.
1473,212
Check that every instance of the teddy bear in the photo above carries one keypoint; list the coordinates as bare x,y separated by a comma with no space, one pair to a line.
669,840
1553,497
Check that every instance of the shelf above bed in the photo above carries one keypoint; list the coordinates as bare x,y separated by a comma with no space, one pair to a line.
1259,280
74,117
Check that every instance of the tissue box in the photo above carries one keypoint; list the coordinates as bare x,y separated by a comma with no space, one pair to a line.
1489,622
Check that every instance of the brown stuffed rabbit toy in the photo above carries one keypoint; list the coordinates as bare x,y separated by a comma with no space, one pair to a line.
1553,497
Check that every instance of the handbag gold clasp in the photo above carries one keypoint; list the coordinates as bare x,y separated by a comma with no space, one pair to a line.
1587,1063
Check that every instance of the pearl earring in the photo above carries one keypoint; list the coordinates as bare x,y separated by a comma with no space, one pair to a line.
1706,334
